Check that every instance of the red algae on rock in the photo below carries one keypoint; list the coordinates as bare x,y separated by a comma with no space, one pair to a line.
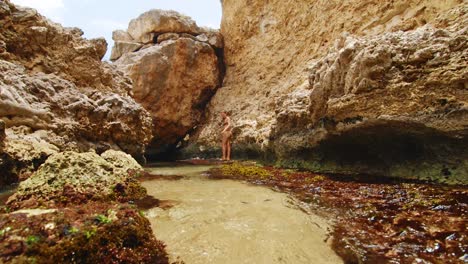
90,233
389,222
75,209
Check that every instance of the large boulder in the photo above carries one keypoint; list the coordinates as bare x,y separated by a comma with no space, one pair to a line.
173,81
175,67
160,21
71,177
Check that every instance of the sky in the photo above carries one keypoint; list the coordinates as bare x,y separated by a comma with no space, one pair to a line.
98,18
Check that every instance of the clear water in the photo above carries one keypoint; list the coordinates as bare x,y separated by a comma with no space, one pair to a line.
5,193
224,221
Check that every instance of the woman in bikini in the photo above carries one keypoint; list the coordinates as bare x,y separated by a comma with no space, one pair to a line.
226,135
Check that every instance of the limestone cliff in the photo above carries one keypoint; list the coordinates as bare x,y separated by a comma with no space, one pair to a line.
57,95
346,86
175,67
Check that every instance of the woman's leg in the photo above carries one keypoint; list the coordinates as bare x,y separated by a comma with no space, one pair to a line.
223,145
228,149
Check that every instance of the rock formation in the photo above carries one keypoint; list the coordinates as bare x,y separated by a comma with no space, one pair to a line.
57,94
346,87
74,207
79,177
175,67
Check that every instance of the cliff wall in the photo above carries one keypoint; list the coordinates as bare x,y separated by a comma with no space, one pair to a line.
329,85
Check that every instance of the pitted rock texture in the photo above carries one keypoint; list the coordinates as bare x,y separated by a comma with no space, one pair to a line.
318,84
41,45
80,119
55,91
174,76
269,46
87,174
396,100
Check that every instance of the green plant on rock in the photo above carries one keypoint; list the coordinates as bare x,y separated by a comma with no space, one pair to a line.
141,213
31,240
90,233
102,219
73,230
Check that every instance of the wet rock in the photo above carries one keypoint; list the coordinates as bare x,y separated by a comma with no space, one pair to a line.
375,221
90,233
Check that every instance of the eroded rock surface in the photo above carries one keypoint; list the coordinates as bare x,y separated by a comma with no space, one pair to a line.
55,90
394,104
382,92
79,177
90,233
175,70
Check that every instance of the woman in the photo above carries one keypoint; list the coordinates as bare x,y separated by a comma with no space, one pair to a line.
226,135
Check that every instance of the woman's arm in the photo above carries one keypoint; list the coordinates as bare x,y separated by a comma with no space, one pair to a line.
228,125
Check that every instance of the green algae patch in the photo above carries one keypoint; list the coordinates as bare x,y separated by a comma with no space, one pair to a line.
239,170
91,233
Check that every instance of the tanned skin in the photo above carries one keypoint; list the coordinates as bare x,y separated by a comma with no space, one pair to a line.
226,135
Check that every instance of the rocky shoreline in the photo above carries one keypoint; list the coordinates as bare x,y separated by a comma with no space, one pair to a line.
79,208
320,86
375,221
66,121
381,94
